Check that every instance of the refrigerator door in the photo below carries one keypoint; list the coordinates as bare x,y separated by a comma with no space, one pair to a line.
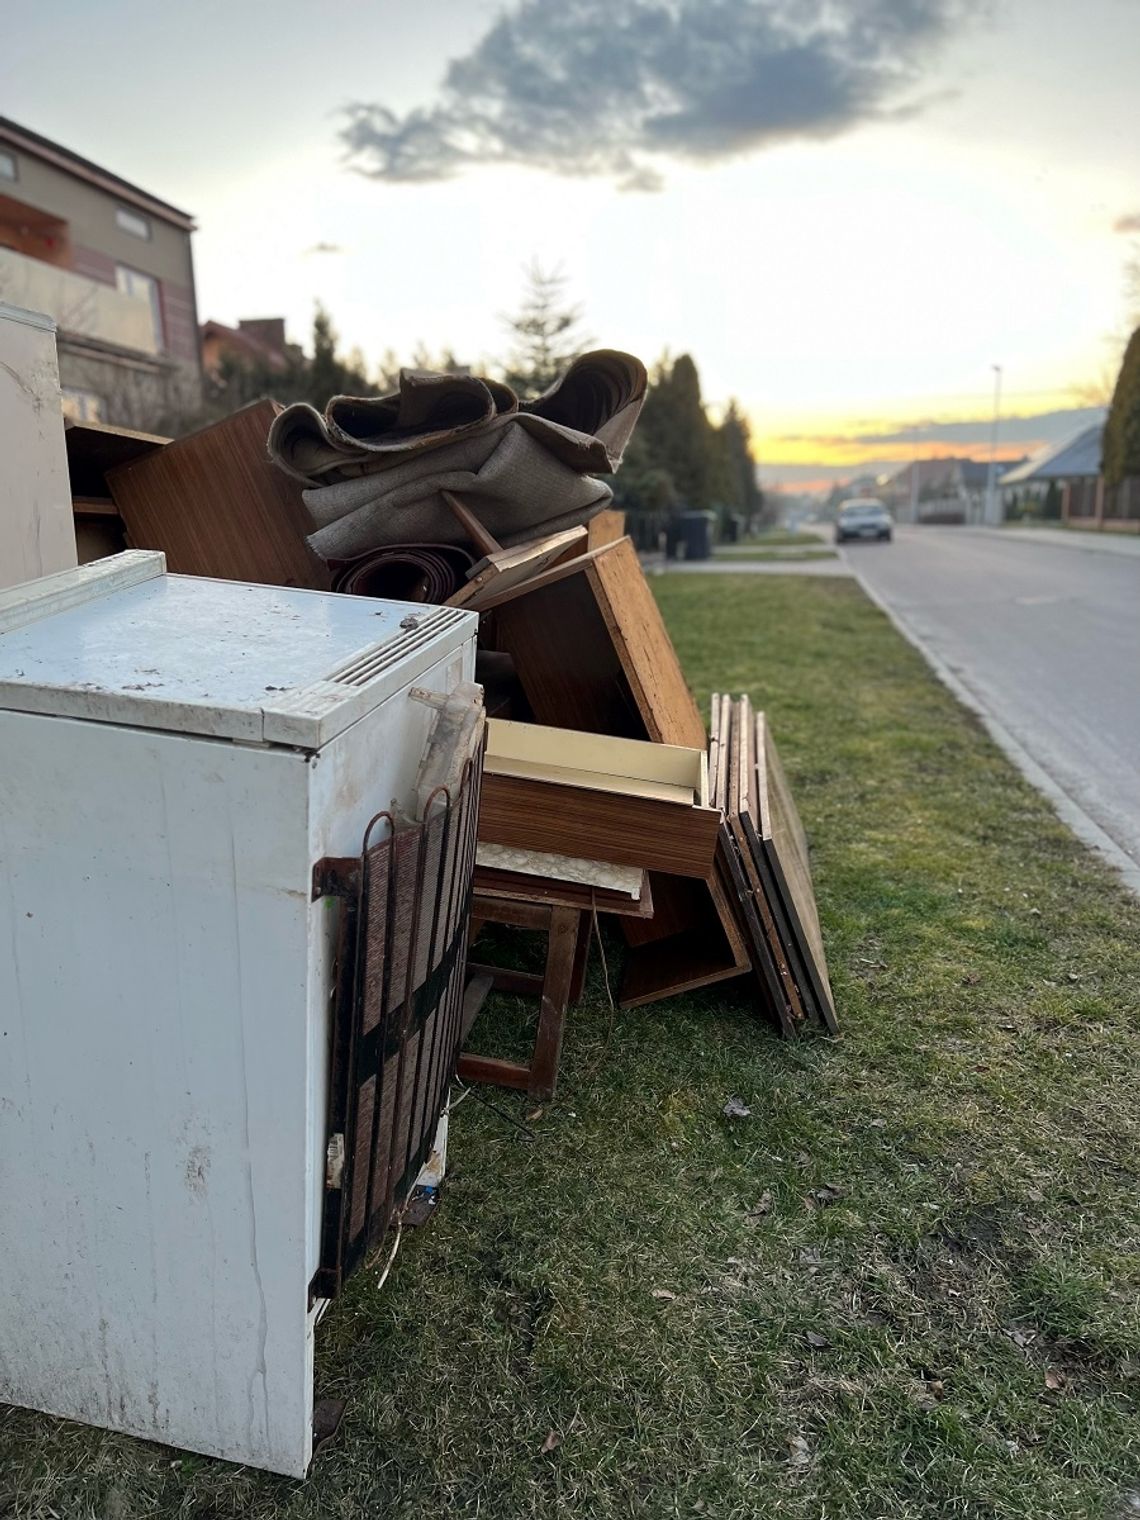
120,641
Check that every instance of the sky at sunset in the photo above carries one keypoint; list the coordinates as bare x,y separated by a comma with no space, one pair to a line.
847,212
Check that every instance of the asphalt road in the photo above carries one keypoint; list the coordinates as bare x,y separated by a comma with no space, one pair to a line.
1044,638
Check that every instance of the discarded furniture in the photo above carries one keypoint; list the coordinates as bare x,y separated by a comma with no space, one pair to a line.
592,653
623,801
37,536
93,448
205,1131
562,909
215,505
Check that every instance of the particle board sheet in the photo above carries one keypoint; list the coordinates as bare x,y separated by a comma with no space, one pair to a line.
216,506
519,886
592,652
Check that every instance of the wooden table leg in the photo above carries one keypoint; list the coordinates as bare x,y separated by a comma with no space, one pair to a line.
581,957
560,956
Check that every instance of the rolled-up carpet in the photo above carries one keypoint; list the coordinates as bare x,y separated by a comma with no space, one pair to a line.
376,466
404,572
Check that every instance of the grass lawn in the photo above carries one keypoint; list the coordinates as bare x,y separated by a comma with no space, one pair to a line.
906,1286
755,552
774,538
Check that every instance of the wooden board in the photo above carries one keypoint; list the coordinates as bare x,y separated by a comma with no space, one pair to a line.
560,819
592,652
216,506
606,527
508,568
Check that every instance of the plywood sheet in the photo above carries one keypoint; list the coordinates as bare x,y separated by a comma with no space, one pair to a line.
508,568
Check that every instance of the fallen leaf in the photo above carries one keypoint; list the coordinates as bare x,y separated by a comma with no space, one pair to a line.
535,1114
819,1342
971,979
935,1387
798,1451
1018,1336
662,1293
1054,1378
878,1124
736,1108
553,1441
810,1257
763,1206
1035,1195
827,1194
802,1158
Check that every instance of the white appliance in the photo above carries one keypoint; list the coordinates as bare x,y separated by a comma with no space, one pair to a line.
37,530
178,755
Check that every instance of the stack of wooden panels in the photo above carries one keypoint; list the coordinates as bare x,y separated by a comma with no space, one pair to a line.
763,859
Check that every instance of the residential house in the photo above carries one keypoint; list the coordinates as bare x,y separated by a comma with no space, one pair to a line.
112,264
256,342
1072,466
938,490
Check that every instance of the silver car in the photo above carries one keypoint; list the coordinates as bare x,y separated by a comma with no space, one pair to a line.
863,517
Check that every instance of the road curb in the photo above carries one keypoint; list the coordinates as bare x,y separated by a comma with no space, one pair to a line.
1067,809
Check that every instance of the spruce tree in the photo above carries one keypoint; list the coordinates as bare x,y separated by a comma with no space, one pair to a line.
1122,429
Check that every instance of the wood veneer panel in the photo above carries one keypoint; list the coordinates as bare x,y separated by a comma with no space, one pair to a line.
556,819
216,506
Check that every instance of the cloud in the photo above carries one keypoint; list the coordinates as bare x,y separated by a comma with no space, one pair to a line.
1047,427
605,87
1130,222
324,248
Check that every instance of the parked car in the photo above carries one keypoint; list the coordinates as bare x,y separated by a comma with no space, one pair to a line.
863,517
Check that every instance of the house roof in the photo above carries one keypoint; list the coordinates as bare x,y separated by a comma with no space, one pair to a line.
63,158
1079,456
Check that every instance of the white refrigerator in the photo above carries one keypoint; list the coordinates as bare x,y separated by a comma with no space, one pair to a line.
177,756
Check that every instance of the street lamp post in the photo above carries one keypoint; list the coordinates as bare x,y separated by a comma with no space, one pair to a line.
993,516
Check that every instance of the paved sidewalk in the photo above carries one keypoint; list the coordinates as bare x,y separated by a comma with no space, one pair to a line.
1069,538
660,566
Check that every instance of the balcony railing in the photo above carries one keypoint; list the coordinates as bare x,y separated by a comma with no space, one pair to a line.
79,306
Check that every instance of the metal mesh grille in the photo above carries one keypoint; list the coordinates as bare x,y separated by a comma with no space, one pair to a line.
415,899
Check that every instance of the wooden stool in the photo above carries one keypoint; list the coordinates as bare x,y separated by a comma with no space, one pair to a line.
564,911
556,987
